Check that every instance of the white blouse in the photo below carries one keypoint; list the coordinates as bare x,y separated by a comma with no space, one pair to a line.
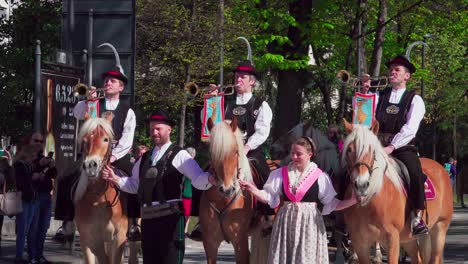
273,188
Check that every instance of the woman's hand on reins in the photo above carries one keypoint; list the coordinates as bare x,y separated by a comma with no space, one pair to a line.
248,186
109,175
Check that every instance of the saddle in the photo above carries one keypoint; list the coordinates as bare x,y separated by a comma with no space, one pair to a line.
402,171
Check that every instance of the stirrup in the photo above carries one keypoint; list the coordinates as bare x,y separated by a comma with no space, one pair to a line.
420,229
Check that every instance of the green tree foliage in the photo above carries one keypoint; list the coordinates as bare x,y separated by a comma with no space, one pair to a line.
31,20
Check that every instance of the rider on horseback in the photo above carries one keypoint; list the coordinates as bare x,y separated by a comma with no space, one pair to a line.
399,113
123,125
254,117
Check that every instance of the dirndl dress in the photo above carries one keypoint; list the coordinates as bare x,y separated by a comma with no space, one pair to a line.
299,234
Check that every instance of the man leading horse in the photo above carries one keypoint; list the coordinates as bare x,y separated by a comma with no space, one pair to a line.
158,179
399,113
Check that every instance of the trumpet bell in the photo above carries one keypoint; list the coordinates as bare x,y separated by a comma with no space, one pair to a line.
83,90
344,76
191,89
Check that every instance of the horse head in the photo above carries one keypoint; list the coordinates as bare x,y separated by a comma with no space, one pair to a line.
366,161
228,159
96,137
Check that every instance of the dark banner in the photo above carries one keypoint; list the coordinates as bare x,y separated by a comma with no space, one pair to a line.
60,125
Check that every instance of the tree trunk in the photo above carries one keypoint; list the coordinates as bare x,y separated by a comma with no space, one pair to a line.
290,83
187,74
361,37
288,102
376,59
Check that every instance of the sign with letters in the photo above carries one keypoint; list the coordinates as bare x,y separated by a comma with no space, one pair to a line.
61,127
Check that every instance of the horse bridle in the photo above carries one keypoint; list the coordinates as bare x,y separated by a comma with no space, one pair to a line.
106,160
370,167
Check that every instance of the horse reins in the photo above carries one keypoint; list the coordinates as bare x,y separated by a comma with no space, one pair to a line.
221,213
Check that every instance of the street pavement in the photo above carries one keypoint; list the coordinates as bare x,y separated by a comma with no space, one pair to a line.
456,247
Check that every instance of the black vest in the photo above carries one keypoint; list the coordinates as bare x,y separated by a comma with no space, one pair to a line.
167,184
311,195
120,114
392,117
246,114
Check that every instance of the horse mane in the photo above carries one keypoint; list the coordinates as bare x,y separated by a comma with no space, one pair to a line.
365,141
91,124
221,139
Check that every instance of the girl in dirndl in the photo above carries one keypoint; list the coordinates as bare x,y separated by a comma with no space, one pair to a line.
299,234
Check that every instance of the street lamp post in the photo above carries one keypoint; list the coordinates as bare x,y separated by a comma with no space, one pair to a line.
423,61
423,53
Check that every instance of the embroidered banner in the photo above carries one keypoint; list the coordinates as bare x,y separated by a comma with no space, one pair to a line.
92,108
213,108
364,109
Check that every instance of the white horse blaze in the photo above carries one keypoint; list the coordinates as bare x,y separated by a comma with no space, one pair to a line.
92,166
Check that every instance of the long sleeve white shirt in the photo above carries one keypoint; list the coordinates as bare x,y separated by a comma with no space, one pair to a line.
273,189
414,117
262,124
183,162
126,141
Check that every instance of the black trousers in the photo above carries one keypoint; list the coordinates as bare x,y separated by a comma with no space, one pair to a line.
163,239
409,156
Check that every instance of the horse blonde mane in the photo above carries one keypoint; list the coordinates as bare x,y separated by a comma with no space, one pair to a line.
221,137
365,140
91,124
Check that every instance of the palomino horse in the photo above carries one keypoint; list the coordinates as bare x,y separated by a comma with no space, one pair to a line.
98,209
226,212
382,213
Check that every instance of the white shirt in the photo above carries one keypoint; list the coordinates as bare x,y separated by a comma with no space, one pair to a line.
183,162
273,189
126,141
414,117
262,124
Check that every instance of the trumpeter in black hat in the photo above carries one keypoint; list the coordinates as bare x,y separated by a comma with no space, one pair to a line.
161,116
403,61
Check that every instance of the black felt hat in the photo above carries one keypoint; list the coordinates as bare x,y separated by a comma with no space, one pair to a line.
246,66
161,116
116,73
402,60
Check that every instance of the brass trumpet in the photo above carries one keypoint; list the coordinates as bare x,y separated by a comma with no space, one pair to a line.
357,82
193,90
83,90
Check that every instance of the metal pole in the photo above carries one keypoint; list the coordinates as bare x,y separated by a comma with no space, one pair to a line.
89,62
37,89
70,30
221,49
423,64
